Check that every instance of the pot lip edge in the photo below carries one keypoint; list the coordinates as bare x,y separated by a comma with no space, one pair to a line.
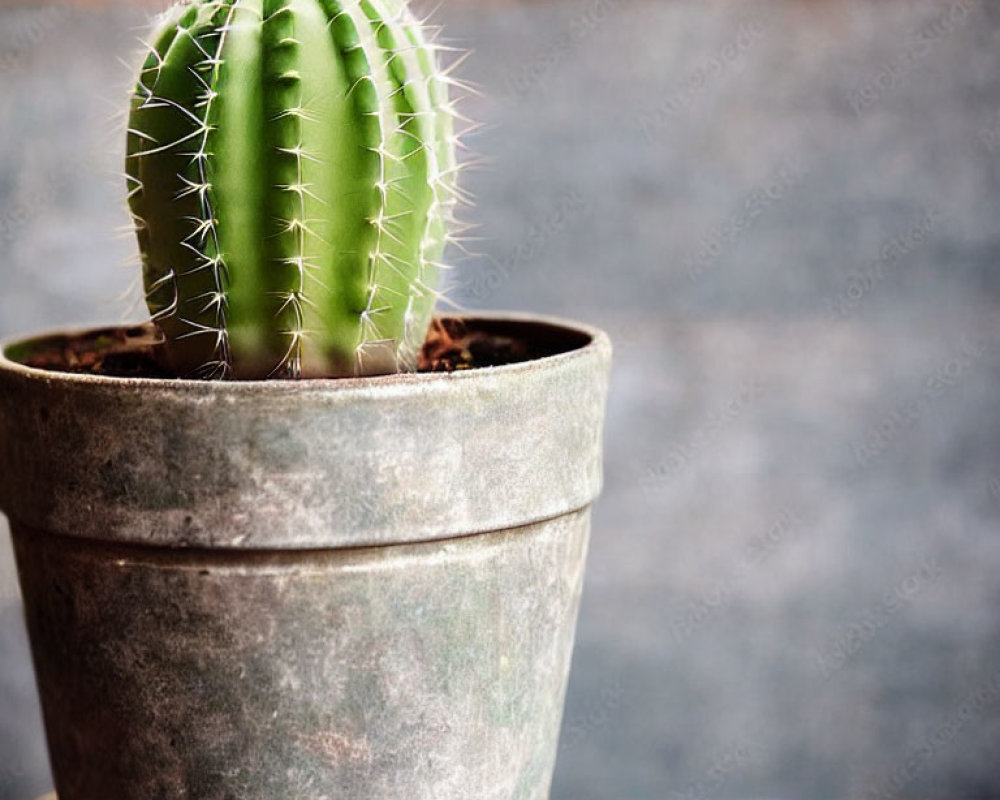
599,346
222,551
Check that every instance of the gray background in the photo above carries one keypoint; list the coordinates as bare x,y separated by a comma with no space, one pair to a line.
785,214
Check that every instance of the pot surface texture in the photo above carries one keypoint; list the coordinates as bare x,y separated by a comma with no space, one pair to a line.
358,589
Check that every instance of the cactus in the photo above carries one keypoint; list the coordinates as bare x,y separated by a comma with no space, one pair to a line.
291,174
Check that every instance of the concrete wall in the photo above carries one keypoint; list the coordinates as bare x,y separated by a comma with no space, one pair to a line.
786,215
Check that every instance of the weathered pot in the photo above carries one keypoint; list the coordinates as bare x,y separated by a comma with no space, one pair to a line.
356,589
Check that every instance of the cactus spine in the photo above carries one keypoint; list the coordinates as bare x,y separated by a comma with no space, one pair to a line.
291,172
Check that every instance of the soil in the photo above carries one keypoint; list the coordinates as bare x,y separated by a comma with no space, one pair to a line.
451,345
118,352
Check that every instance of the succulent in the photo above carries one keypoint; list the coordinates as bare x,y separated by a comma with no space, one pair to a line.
291,173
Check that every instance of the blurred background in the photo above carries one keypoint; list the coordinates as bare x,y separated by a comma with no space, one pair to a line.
785,214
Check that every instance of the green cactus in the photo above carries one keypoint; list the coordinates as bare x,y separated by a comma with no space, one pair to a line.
291,172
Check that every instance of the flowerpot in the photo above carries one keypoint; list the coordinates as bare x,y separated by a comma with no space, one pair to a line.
359,589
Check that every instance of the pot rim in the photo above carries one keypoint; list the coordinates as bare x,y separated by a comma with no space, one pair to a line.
310,463
597,339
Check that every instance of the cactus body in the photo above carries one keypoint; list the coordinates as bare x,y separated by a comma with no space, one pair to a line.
291,171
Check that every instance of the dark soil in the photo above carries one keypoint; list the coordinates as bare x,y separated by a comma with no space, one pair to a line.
118,352
452,344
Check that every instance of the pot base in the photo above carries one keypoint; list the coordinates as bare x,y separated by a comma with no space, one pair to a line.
432,671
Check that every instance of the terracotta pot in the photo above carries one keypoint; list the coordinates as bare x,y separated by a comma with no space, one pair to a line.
362,589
